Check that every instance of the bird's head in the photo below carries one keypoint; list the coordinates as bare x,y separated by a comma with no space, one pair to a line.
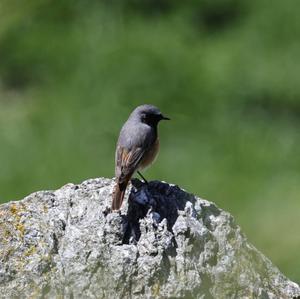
149,114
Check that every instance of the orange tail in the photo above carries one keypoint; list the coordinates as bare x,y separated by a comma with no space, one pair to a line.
118,196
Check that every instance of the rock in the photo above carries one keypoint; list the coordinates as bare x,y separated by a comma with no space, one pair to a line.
165,243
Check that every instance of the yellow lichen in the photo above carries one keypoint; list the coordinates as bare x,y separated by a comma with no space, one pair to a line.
13,209
45,209
20,227
30,251
156,289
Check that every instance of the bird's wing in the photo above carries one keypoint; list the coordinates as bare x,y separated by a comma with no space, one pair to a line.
127,162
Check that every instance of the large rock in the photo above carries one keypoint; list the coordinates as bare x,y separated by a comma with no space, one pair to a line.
165,243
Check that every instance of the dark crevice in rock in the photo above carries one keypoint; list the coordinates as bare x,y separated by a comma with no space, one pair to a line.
55,244
145,197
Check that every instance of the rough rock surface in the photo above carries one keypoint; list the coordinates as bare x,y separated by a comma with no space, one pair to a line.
165,243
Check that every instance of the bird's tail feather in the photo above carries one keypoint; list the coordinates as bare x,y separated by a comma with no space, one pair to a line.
118,196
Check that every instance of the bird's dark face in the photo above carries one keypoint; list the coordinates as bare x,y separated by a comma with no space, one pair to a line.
152,116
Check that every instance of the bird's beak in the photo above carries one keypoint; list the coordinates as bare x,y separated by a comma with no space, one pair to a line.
164,117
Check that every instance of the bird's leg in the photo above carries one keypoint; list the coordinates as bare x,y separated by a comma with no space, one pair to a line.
145,181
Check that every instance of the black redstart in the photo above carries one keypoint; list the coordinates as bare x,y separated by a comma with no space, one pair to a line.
137,147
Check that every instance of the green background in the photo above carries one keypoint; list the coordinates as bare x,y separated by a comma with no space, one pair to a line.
226,72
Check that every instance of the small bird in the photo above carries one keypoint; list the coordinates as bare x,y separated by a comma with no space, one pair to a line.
137,148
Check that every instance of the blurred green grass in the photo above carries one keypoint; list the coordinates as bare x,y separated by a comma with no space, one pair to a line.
226,72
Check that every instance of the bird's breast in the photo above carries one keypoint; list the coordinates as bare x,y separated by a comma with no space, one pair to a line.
150,155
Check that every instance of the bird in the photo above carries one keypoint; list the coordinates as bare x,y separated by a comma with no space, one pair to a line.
137,147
